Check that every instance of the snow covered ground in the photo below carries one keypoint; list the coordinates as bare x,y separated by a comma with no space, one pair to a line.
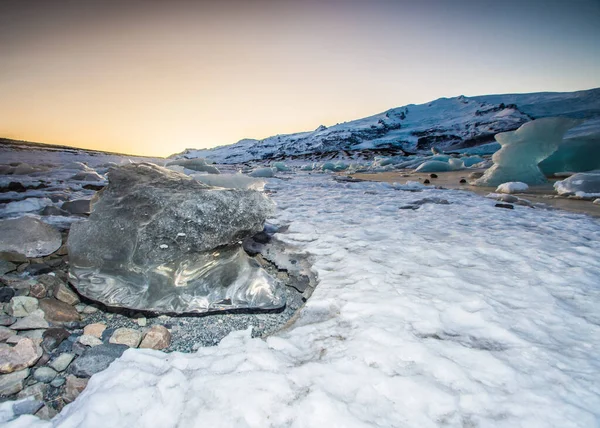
458,314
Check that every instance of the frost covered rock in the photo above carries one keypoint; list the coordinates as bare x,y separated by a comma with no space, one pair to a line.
512,187
161,241
29,237
583,185
522,150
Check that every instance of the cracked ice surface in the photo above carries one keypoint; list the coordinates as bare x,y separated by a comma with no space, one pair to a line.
448,315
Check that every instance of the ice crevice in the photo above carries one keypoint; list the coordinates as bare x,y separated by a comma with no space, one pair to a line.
449,315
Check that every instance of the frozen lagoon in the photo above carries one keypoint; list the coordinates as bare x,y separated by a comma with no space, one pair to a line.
449,315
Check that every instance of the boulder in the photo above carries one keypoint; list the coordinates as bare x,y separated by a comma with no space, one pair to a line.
24,354
158,337
28,236
178,248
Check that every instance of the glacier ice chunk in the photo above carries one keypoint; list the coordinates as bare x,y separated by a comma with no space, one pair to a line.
441,166
577,154
263,172
197,164
583,185
522,150
512,187
160,241
231,181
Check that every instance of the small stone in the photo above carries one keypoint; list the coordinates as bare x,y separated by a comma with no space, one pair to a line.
43,360
5,333
38,291
7,320
58,382
62,251
95,330
24,354
426,181
433,176
507,206
75,385
27,407
37,392
44,374
35,335
6,293
78,206
96,359
53,337
80,307
6,267
58,312
462,181
90,310
79,348
21,306
126,336
30,322
158,337
141,321
61,362
46,413
88,340
62,293
12,383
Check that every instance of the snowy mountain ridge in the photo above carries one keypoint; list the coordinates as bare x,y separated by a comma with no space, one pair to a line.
447,123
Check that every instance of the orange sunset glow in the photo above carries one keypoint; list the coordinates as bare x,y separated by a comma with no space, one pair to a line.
153,78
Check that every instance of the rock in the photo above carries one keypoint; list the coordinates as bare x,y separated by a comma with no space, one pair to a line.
31,322
7,320
126,336
433,175
53,337
12,383
508,206
95,359
29,236
46,412
62,251
44,374
24,354
6,267
37,269
78,206
87,176
158,337
462,181
141,321
43,360
61,362
58,382
21,306
88,340
95,187
38,291
426,181
11,256
13,186
37,392
29,406
94,330
58,312
5,333
62,293
52,210
168,224
75,385
6,293
90,310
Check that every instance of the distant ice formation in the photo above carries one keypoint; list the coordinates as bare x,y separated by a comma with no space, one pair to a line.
522,150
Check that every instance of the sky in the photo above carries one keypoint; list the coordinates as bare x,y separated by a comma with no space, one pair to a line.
155,77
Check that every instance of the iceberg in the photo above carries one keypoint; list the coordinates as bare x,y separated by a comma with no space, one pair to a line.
441,166
160,241
583,185
577,154
197,164
522,150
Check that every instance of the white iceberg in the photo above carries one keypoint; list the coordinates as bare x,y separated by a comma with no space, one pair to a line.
512,187
583,185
